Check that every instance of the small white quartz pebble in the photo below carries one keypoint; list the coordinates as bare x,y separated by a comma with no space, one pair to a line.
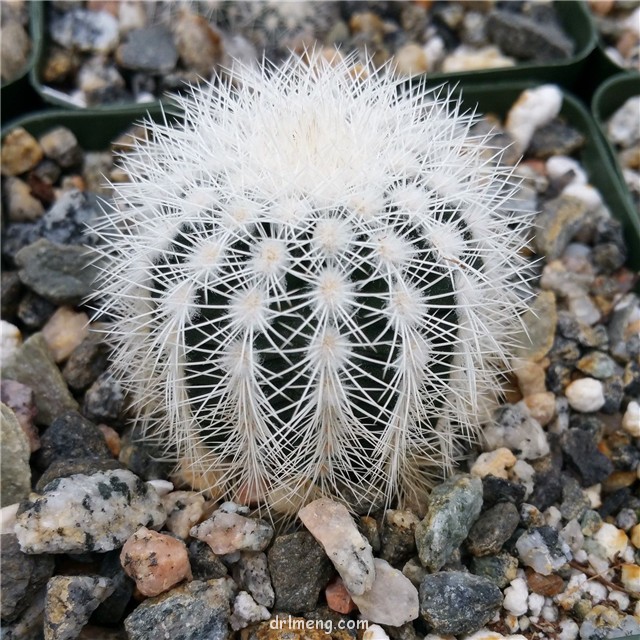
162,487
620,598
515,597
631,419
375,632
585,395
596,590
612,539
535,603
10,341
485,634
569,629
550,612
534,108
585,192
594,493
559,166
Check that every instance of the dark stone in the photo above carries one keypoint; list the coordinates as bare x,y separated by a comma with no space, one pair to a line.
10,292
22,577
525,38
631,379
456,602
610,250
141,459
555,139
547,489
574,500
194,611
613,395
495,490
63,274
86,362
580,448
613,502
205,565
499,569
564,350
103,401
299,570
397,536
34,310
557,377
148,49
492,529
624,455
62,468
69,437
111,610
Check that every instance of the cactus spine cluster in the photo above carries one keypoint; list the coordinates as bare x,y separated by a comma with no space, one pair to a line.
313,283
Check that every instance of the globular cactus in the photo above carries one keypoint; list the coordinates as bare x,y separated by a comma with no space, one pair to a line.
314,283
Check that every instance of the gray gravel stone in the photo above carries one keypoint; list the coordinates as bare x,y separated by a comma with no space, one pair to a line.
520,36
251,573
65,468
69,603
299,569
195,611
86,362
493,528
63,274
456,602
22,577
453,508
69,219
87,513
104,399
555,139
34,367
15,473
148,49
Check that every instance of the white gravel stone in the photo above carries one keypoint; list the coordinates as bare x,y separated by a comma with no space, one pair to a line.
515,597
88,513
585,192
246,611
572,534
611,539
534,552
534,108
10,341
559,166
620,598
375,632
549,612
585,395
596,590
184,510
524,472
631,419
594,493
392,599
569,629
535,602
493,463
485,634
331,525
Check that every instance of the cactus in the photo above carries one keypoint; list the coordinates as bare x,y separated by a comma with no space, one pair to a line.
314,283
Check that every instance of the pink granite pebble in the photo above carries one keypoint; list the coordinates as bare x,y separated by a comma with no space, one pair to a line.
338,598
155,561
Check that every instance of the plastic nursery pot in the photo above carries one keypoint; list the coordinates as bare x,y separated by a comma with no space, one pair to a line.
595,156
579,26
574,15
94,129
607,99
17,96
